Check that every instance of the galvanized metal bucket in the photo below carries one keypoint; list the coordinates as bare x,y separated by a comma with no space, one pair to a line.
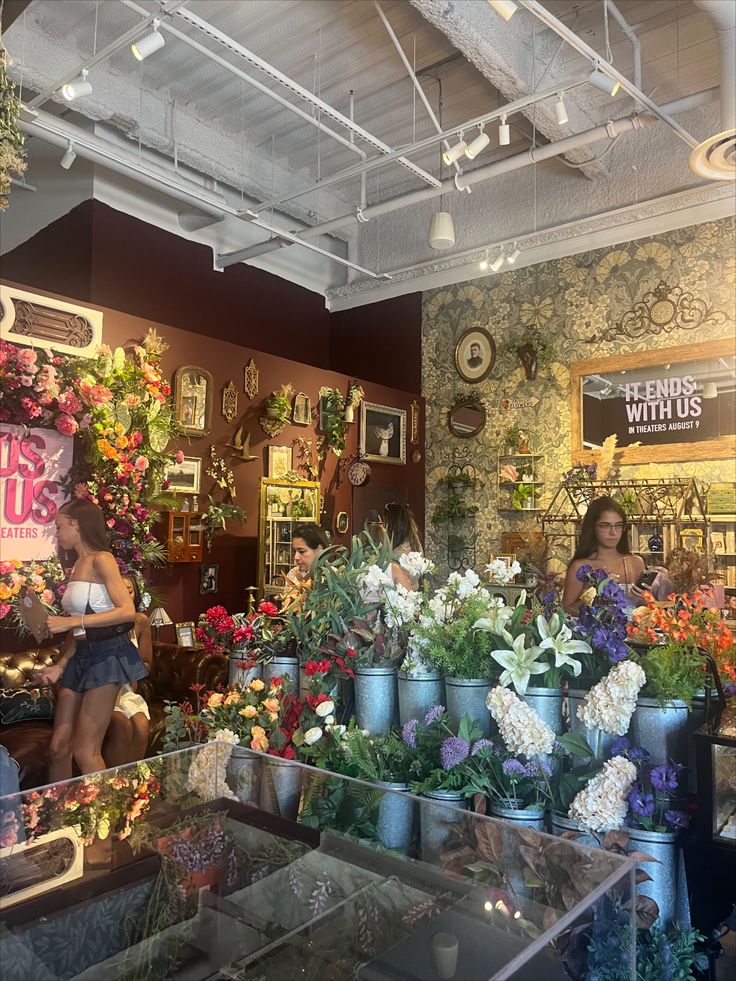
418,693
244,775
286,668
467,696
395,823
376,699
530,817
663,732
547,703
240,676
281,787
665,872
304,685
600,742
559,824
436,820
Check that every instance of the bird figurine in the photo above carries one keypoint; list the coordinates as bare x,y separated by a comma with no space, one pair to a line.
384,434
241,446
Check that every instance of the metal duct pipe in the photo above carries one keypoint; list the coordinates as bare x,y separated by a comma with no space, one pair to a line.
631,35
723,17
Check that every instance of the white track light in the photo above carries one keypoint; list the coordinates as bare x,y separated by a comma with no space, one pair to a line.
710,390
504,136
76,89
455,152
479,143
560,110
504,8
497,262
69,157
148,44
441,231
513,255
483,264
604,82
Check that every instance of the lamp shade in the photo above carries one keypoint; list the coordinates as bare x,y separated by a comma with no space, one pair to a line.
441,231
160,618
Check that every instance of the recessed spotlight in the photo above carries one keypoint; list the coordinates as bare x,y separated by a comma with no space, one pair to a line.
504,136
504,8
479,143
561,110
148,44
76,89
455,152
513,255
604,82
69,157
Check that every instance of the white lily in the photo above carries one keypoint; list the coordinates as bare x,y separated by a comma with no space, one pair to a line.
558,638
495,623
520,663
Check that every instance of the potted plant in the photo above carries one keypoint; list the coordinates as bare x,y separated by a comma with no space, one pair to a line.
561,653
214,518
532,349
458,481
277,404
511,439
355,397
332,419
524,497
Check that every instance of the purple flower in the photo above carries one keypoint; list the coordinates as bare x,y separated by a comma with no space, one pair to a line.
639,754
640,802
480,745
620,746
514,769
729,689
538,768
664,777
434,713
409,733
453,751
676,819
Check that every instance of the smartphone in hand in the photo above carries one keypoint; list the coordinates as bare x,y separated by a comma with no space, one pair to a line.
646,578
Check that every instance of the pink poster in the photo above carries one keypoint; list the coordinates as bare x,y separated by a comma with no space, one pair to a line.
33,463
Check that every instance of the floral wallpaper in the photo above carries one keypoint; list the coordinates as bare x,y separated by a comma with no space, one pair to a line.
571,300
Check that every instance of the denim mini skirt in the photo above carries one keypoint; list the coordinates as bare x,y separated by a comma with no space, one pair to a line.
103,662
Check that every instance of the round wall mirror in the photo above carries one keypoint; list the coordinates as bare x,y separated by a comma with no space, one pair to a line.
466,418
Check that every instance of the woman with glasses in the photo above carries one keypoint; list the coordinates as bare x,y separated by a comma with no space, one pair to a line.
603,544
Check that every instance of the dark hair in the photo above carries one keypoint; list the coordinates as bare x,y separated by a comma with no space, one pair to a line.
91,521
312,535
400,526
137,594
588,543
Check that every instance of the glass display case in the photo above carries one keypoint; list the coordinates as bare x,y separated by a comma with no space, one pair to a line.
283,505
304,874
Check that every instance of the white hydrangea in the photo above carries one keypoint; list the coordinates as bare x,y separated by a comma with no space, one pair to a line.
416,564
207,775
401,606
610,704
373,583
521,728
503,572
439,607
468,584
602,805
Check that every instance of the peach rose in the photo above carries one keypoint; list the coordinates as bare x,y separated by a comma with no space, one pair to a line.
271,704
258,739
248,712
257,685
233,697
215,700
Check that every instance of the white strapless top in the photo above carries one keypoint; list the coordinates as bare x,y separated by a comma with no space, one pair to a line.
79,593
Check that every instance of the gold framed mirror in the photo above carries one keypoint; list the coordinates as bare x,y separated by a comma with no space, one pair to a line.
467,417
193,399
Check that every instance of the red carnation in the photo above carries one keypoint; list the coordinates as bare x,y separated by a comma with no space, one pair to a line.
269,609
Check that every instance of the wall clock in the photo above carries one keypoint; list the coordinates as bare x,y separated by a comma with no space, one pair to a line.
359,473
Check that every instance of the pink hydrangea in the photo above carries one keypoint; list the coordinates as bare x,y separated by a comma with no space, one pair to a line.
141,463
4,610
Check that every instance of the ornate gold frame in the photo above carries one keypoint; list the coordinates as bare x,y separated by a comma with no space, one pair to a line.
708,449
179,400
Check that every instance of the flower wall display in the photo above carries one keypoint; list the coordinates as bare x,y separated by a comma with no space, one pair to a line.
573,300
119,405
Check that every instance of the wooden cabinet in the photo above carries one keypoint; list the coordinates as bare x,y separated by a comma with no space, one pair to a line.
182,535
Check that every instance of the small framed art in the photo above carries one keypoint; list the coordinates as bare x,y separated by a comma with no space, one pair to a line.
208,575
185,634
280,461
475,355
185,477
382,434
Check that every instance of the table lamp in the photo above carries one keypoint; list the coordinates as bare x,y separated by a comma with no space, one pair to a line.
159,618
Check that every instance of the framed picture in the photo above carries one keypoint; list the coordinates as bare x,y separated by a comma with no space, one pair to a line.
302,414
382,434
185,477
280,461
185,634
508,560
475,355
193,399
208,575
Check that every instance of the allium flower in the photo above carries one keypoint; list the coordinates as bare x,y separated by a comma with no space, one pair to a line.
610,704
640,802
434,713
409,733
602,804
480,745
453,751
538,768
521,728
514,769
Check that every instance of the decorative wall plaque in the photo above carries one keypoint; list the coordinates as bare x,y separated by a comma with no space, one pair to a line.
660,311
250,380
64,327
230,401
414,422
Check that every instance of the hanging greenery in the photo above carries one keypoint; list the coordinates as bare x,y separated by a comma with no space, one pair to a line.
12,138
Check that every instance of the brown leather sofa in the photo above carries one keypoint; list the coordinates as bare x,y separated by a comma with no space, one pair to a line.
175,670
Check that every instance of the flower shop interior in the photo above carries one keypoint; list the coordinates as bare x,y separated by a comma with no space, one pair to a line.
394,341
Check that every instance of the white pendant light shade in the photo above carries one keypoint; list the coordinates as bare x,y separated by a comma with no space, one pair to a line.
148,44
710,390
479,143
513,255
441,231
76,89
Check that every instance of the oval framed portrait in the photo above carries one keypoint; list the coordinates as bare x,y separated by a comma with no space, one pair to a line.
475,355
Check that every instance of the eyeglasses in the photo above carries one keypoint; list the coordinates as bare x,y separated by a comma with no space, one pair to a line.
607,526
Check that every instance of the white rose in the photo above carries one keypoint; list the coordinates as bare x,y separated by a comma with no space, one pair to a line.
325,708
313,735
330,720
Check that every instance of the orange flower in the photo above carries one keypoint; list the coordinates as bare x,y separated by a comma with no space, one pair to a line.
215,700
271,704
257,685
249,712
258,739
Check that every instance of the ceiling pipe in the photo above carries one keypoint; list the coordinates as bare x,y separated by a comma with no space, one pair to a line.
549,20
631,35
277,76
253,82
722,14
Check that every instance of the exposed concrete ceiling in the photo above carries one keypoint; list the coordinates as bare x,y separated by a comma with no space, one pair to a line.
193,105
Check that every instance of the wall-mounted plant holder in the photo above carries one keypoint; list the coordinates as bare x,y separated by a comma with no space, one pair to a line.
271,427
